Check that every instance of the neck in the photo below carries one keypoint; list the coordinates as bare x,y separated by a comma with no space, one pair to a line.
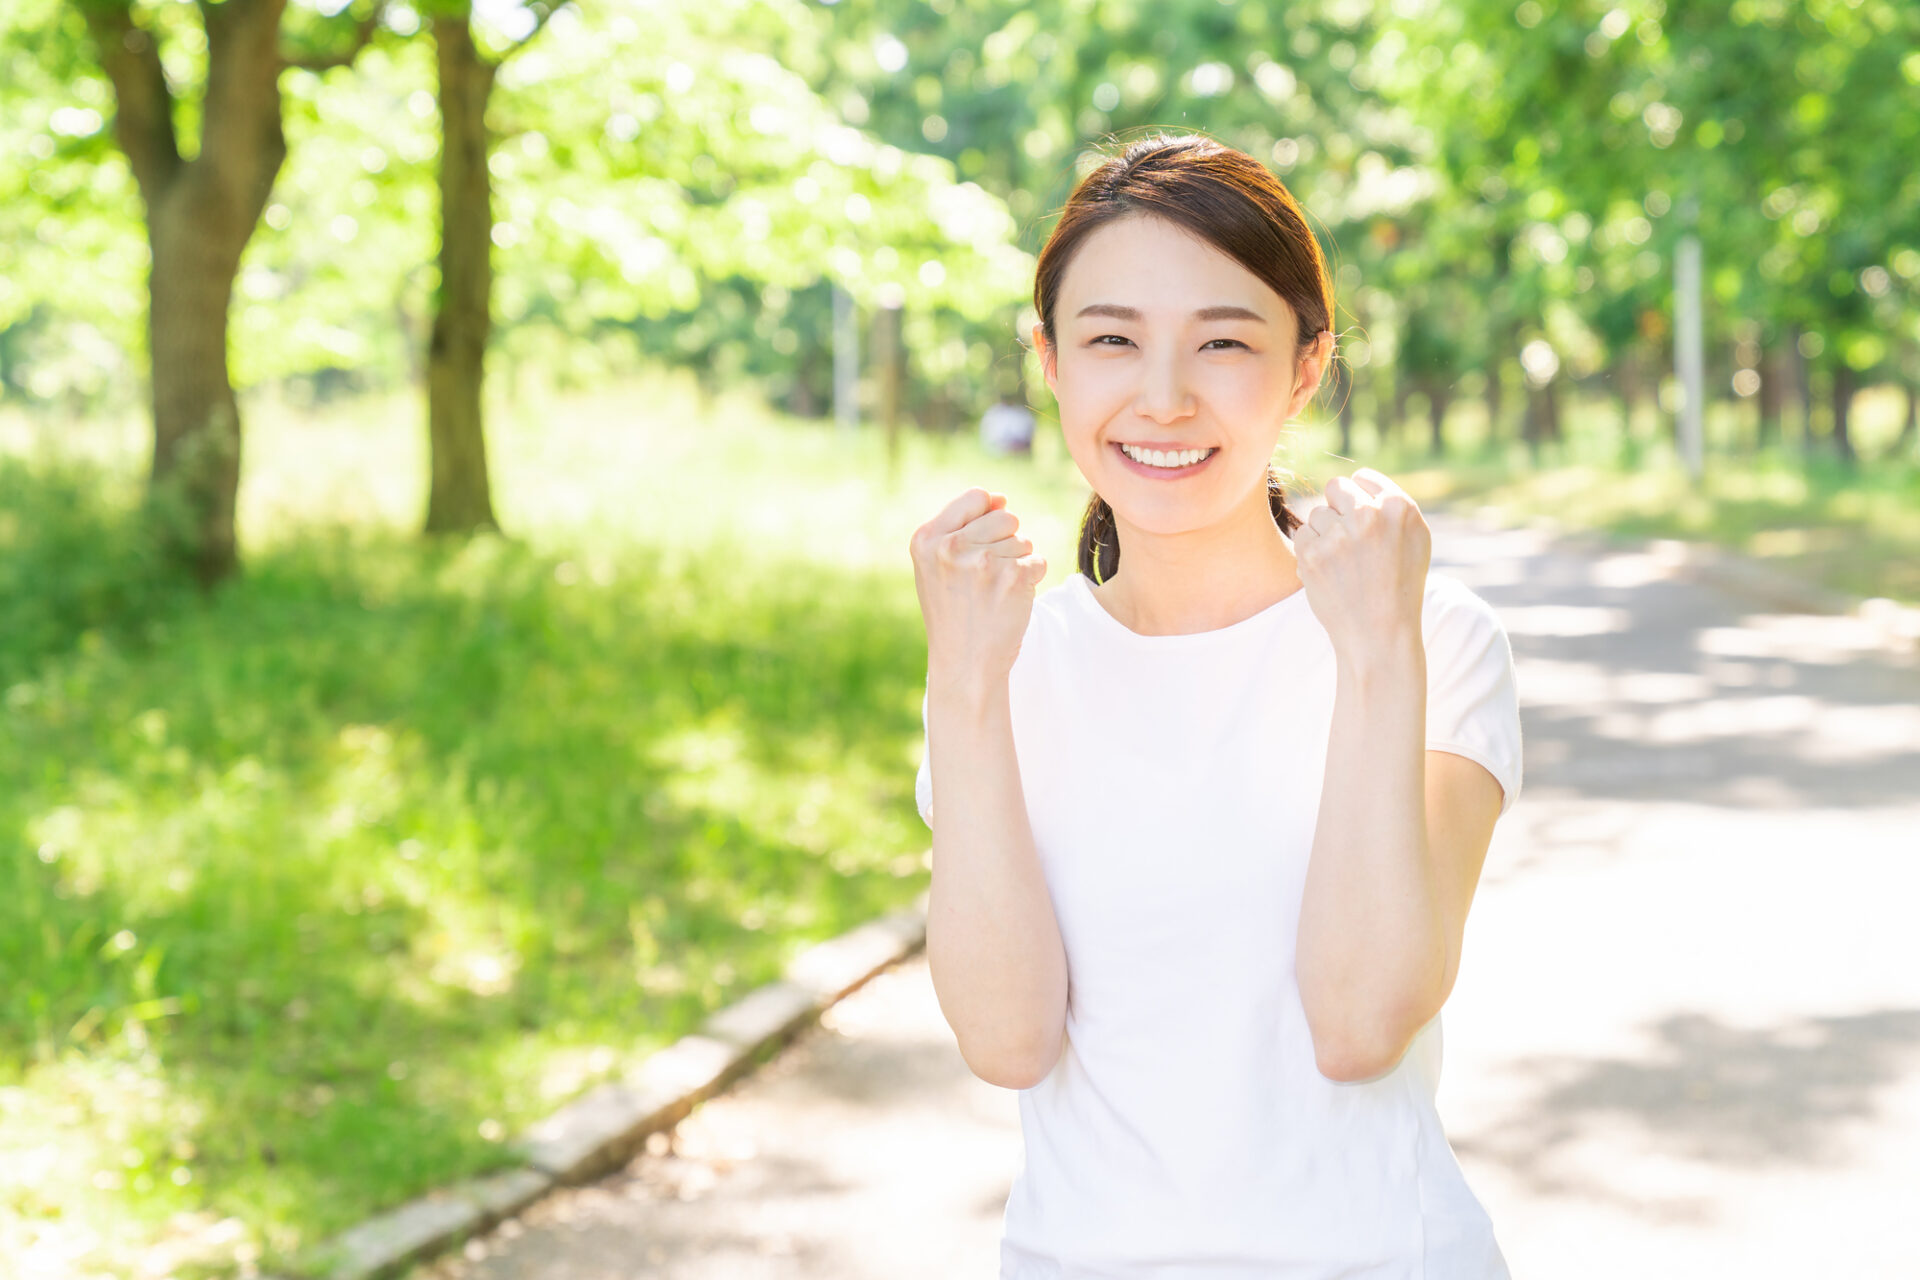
1200,579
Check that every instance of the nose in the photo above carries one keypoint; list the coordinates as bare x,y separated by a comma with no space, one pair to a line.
1163,395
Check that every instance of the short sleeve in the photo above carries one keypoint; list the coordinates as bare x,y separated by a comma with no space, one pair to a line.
1473,701
923,783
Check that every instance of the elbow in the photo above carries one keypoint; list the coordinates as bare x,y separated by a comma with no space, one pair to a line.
1010,1079
1014,1071
1364,1042
1357,1054
1354,1063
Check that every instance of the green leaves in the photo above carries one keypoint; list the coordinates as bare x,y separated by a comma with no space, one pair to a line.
647,153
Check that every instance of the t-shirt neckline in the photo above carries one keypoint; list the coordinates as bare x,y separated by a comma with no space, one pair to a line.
1083,586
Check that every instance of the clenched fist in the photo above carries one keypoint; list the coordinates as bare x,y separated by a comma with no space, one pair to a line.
1363,560
976,582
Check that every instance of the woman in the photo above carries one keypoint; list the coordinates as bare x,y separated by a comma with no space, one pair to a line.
1213,808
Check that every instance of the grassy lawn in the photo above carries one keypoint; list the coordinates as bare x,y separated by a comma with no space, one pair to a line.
314,892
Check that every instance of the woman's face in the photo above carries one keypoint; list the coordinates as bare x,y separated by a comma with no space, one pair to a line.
1165,343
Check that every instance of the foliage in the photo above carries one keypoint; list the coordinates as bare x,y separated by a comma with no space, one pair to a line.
1485,174
627,186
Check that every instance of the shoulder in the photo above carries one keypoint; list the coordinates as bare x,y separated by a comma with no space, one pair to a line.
1451,611
1444,589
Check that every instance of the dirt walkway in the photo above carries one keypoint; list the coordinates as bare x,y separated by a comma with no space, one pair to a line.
1685,1040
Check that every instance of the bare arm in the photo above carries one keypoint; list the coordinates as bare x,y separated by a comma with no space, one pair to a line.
993,943
1402,831
1402,836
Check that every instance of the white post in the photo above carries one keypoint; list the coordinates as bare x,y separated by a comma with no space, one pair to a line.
846,361
1687,344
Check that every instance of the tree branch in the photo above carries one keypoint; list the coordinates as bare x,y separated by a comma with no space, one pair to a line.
362,35
143,103
541,13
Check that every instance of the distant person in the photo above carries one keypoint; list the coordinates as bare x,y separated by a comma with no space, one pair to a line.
1007,427
1211,809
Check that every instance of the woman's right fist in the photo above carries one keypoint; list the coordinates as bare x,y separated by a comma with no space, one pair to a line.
976,582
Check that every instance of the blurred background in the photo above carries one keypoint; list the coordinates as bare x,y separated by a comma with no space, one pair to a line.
457,461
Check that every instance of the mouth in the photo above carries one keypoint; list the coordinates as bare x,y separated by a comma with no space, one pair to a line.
1163,464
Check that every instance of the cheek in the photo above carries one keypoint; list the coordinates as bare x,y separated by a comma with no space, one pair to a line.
1254,385
1089,392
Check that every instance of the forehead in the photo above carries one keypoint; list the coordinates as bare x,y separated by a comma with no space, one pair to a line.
1149,263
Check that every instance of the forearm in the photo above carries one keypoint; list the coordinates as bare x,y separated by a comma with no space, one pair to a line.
1372,949
993,943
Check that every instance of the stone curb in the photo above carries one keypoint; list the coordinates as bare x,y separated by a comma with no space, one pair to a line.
1894,627
608,1125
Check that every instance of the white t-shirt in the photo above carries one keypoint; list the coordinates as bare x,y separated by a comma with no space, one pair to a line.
1173,785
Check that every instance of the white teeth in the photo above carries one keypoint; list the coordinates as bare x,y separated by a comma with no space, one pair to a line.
1162,458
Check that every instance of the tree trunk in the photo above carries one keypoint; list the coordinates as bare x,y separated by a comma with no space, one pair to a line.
886,363
1346,411
412,340
1437,400
1625,391
194,482
1505,329
1494,397
1800,376
1542,416
1402,389
1910,429
200,214
1845,382
460,499
1772,372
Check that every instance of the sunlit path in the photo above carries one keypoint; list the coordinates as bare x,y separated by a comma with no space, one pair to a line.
1686,1035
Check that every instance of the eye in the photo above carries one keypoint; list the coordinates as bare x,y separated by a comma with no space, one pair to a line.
1102,339
1230,341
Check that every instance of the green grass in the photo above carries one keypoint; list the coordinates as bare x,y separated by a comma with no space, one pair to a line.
311,893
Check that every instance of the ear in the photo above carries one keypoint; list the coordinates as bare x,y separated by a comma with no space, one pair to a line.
1048,366
1311,369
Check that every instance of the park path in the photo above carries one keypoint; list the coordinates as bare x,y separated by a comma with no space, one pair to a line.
1685,1039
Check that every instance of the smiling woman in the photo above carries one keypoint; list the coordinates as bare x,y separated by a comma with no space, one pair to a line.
1211,813
1223,201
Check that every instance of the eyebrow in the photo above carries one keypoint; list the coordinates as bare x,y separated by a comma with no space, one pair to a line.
1204,313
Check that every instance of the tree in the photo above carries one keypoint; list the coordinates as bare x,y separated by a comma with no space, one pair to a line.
1606,117
201,203
614,203
459,497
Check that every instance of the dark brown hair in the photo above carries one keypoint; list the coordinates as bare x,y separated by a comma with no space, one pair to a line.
1231,201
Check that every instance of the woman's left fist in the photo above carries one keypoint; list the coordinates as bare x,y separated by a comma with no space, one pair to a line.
1362,558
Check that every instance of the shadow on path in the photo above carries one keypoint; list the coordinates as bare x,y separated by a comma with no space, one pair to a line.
1739,1098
